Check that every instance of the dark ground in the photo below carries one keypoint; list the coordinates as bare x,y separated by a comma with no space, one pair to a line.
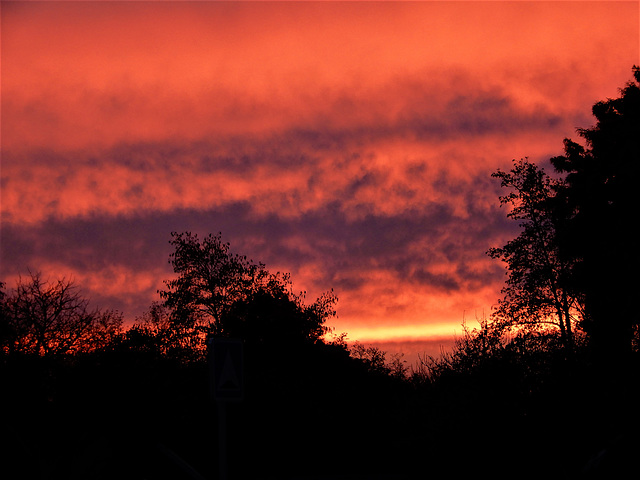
320,416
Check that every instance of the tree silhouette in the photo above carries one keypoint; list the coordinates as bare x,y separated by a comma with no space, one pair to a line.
600,191
221,293
538,290
273,314
51,319
156,335
210,278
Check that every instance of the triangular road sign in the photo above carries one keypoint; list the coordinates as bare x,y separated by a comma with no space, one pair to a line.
226,369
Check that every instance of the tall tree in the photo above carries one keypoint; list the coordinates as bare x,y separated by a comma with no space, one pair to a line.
209,279
600,191
537,290
51,318
217,292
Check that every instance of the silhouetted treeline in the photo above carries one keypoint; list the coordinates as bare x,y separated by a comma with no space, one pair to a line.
493,405
547,386
575,263
135,402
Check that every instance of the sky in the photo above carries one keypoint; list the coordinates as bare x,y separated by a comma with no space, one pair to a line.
349,144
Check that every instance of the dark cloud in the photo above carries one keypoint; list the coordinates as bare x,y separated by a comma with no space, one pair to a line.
423,226
344,248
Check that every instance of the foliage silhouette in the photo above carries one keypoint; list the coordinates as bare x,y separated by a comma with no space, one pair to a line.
273,314
575,262
540,410
51,318
139,407
209,279
156,333
375,361
538,290
220,293
601,193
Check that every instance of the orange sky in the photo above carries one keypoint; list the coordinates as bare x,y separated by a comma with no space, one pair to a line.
350,144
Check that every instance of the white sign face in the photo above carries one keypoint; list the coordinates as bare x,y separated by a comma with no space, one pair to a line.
226,369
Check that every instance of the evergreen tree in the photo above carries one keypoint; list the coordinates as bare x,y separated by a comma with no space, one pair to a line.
600,192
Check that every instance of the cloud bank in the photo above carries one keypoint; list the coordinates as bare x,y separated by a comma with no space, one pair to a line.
348,144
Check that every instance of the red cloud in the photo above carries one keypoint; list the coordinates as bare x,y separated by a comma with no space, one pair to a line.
350,144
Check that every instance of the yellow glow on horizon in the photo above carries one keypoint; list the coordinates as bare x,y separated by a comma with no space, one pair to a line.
402,333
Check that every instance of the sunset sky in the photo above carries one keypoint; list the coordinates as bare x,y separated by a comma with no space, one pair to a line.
350,144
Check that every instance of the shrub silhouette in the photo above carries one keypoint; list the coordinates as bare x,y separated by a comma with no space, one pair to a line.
51,318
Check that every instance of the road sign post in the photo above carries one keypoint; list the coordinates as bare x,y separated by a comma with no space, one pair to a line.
226,382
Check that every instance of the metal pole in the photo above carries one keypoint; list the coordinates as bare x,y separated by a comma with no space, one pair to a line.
222,440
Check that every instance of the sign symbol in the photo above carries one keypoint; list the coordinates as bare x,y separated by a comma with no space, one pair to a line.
228,377
226,369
